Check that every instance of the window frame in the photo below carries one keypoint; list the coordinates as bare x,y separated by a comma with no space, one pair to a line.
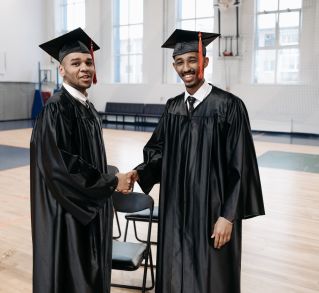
64,5
116,48
277,46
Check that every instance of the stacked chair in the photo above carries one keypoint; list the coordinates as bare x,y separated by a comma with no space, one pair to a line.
129,256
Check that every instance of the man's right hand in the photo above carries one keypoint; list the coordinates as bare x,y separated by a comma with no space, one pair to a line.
126,181
222,232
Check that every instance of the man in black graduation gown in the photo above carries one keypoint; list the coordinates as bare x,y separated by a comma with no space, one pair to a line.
203,156
71,207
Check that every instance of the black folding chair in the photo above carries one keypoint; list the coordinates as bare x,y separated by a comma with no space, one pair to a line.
129,256
113,170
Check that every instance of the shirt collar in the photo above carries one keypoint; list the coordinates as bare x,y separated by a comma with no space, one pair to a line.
76,94
201,93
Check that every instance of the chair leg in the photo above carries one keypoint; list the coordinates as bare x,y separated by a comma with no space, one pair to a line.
145,272
135,232
152,270
118,227
126,228
141,240
151,260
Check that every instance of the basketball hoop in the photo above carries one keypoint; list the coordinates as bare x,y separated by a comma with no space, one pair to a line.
225,4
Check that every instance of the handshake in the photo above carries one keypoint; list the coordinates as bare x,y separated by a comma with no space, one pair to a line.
126,181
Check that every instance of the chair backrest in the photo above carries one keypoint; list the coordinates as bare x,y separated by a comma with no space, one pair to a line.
112,169
133,202
154,109
124,108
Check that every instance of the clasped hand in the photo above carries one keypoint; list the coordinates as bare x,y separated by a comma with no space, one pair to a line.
126,181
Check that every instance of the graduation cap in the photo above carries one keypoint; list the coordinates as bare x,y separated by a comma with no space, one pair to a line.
76,41
184,41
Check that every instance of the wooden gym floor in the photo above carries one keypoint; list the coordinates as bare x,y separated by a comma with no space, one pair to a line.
280,250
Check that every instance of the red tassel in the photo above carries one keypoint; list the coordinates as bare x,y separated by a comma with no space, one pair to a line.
200,57
92,54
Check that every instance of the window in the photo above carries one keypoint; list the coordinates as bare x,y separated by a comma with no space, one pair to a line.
277,41
197,15
128,41
73,14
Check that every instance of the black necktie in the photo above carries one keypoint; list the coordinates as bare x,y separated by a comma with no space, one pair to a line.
191,101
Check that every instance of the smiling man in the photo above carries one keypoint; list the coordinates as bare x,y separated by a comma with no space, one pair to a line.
71,206
203,156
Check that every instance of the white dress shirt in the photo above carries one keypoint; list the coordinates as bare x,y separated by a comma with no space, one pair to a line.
200,94
76,94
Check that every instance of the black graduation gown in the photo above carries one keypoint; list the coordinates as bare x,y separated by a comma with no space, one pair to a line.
207,168
71,207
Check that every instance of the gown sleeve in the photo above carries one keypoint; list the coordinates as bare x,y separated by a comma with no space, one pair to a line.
151,169
78,186
243,197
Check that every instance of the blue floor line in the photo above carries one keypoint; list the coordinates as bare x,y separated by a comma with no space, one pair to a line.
13,157
290,161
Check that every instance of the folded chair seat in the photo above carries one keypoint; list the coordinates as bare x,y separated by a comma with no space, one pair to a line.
127,255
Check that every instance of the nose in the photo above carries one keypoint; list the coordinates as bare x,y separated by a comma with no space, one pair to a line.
84,66
186,67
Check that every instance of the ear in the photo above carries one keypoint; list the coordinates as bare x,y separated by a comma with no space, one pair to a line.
206,61
61,70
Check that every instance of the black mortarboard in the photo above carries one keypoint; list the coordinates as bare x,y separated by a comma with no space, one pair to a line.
73,41
183,41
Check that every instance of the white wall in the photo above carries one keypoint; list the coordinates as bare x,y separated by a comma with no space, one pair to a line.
22,27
